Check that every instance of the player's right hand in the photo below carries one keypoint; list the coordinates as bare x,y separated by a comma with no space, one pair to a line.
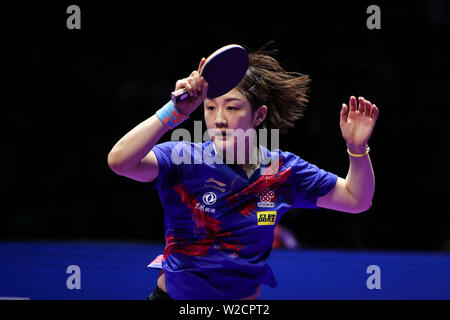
197,88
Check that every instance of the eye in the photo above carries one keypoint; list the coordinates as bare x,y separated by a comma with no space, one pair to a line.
210,108
232,108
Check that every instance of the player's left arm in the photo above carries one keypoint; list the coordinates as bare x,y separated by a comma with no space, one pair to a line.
354,193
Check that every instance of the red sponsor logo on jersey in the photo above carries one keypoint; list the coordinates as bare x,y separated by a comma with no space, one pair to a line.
266,195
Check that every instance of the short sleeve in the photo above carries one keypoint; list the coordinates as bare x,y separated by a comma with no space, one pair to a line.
309,182
163,153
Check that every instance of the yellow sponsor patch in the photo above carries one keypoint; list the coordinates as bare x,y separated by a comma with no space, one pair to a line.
266,218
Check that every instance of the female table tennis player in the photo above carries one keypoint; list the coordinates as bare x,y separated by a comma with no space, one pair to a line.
220,218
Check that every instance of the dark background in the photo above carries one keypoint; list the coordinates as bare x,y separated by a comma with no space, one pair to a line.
72,94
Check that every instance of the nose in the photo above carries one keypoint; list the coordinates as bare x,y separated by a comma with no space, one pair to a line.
220,120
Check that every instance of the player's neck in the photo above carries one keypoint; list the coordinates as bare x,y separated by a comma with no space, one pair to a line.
251,163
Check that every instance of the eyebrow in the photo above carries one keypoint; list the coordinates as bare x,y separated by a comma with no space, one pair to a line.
233,99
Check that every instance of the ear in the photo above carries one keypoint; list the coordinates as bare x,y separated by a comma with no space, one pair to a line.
260,115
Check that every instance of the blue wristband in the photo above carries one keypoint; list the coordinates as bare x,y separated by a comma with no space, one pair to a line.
170,116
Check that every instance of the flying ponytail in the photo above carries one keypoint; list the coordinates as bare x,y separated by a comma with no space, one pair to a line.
284,93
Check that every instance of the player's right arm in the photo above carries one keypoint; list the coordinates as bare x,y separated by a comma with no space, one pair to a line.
132,155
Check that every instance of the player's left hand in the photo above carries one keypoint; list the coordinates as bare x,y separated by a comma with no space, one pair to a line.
357,123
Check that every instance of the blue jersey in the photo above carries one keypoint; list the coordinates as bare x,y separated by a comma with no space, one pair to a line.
219,224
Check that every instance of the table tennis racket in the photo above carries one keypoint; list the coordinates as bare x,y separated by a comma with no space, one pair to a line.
223,70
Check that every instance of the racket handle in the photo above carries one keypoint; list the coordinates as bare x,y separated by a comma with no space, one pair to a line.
178,95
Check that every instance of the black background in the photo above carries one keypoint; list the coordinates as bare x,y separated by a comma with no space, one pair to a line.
72,94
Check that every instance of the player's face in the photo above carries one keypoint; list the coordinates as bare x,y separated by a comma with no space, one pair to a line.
230,111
